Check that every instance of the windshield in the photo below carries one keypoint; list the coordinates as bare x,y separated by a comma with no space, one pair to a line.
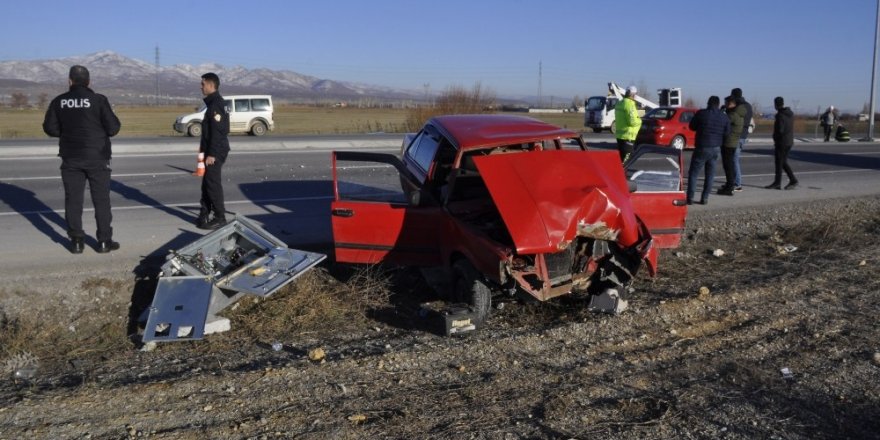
596,103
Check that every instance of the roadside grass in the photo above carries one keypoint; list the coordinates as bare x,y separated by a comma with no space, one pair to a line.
145,121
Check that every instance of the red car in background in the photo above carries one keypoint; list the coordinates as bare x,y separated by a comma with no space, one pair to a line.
667,126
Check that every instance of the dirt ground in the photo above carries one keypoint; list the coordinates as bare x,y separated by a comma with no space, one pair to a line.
699,354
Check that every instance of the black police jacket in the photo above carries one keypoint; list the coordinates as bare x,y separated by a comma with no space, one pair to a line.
84,122
215,128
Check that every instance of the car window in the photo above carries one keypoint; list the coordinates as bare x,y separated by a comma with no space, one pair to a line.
260,105
242,105
422,150
596,103
660,113
653,172
686,117
228,104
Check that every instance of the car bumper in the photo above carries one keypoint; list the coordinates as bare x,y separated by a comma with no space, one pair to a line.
179,127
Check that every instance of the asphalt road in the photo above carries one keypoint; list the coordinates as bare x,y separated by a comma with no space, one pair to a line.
285,184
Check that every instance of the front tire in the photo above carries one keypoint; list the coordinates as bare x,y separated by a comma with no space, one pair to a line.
194,129
470,288
613,129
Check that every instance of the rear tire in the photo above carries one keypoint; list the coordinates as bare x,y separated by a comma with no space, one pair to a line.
470,288
258,129
678,142
194,129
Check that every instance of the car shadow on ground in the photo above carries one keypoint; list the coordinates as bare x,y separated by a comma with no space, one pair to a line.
41,216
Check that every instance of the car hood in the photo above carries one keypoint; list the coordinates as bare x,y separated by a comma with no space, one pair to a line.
547,198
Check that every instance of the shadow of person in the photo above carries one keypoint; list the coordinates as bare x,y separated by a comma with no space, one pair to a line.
26,204
140,197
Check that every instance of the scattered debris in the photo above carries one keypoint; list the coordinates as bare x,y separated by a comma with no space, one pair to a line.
22,366
718,253
277,346
357,418
877,358
787,374
863,263
608,301
704,292
786,249
203,278
317,354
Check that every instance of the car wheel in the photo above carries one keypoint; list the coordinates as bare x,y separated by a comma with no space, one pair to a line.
258,129
678,142
613,129
194,129
470,288
597,130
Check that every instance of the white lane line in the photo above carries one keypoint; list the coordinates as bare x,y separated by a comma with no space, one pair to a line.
170,173
173,205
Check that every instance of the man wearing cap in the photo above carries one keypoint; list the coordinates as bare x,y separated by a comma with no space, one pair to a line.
730,156
84,123
215,144
626,123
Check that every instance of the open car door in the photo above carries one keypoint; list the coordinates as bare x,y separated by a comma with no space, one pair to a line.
379,214
654,174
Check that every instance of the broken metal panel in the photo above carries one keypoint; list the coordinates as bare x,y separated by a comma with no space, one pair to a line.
543,196
201,279
179,309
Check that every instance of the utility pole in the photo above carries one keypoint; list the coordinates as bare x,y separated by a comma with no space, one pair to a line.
870,136
157,73
541,79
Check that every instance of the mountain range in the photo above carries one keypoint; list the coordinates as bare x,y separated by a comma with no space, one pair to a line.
128,80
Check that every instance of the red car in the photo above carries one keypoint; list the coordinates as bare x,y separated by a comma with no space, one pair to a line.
506,204
667,126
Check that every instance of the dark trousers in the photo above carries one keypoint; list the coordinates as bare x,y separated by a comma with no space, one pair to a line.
703,159
728,161
781,162
625,148
827,132
212,192
74,174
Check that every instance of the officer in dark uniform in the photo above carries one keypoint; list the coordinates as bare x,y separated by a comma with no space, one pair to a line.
84,122
215,145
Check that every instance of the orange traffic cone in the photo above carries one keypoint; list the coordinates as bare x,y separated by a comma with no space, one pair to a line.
200,168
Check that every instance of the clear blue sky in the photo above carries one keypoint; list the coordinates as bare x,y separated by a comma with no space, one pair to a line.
812,52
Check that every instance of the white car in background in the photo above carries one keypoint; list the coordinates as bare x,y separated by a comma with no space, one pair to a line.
251,114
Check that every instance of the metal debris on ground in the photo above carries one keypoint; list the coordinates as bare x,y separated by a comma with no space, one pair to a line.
787,374
609,301
201,279
718,253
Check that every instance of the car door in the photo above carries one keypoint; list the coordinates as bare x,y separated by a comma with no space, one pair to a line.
685,119
379,214
657,194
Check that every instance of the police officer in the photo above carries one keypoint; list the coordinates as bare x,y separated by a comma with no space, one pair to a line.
84,122
215,145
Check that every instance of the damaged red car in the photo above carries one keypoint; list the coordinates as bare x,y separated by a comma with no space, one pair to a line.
508,204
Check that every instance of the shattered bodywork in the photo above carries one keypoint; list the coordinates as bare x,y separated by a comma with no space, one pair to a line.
520,201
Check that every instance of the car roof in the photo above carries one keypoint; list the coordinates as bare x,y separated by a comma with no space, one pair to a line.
480,131
247,96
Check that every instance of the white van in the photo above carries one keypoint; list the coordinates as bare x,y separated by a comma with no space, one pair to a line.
250,114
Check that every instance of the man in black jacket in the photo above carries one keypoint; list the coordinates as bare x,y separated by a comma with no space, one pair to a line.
215,145
711,127
84,122
783,140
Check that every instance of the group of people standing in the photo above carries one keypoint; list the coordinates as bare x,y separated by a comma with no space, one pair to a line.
724,133
84,122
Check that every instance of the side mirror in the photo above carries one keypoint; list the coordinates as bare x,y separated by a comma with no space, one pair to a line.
415,197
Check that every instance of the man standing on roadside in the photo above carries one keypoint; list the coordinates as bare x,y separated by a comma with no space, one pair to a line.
828,119
783,140
215,145
711,127
84,123
626,123
730,157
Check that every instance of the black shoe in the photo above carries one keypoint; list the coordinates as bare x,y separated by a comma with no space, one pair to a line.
76,246
107,246
725,192
791,185
213,224
704,202
690,202
773,186
738,188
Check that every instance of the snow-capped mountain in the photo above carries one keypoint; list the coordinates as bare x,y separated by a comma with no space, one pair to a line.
121,77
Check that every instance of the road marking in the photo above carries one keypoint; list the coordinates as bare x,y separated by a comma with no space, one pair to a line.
174,205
